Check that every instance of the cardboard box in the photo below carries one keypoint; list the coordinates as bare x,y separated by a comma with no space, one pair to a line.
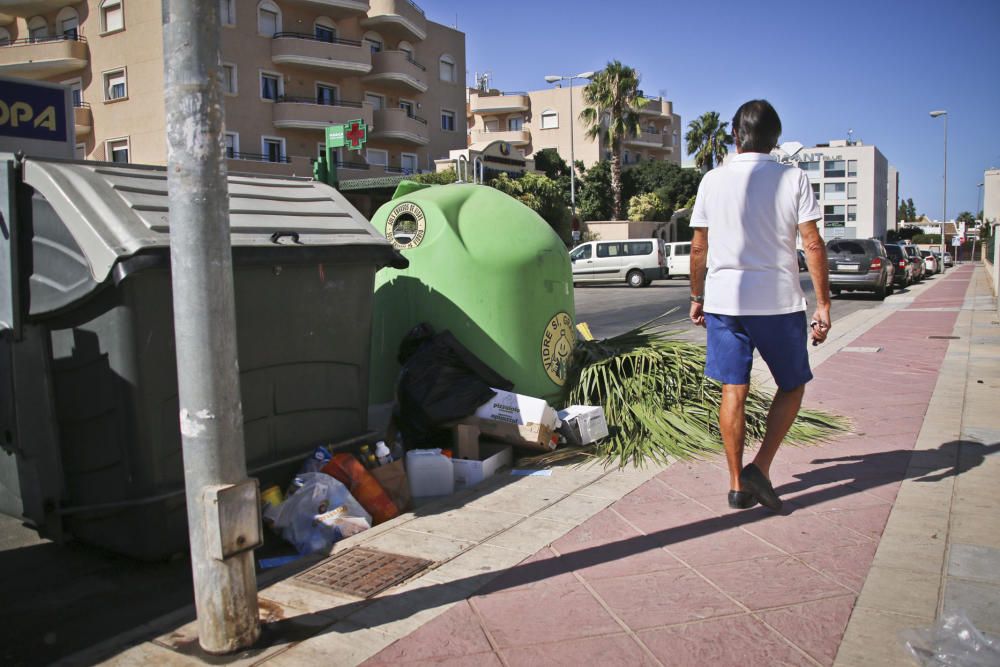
492,457
392,478
518,419
583,424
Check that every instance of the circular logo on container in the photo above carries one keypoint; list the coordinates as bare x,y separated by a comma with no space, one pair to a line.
557,347
406,226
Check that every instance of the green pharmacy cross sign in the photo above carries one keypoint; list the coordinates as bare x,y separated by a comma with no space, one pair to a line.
353,135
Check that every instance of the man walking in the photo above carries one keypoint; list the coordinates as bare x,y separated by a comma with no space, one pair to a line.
745,220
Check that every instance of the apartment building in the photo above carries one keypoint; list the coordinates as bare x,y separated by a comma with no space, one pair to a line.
851,182
991,196
289,68
540,119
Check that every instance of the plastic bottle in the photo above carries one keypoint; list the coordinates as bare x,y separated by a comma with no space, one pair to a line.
429,472
371,462
365,488
382,453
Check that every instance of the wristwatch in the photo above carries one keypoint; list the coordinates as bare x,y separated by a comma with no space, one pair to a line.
699,298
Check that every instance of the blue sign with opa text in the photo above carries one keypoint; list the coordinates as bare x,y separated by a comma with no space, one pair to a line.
31,111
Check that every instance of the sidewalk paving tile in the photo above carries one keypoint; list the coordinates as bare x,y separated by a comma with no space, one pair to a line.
804,532
980,602
738,641
847,566
458,633
618,650
970,561
773,581
900,589
811,626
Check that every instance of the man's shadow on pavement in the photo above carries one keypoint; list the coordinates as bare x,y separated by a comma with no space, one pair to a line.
848,475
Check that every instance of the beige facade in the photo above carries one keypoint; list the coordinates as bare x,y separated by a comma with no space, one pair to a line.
290,68
991,196
540,119
851,183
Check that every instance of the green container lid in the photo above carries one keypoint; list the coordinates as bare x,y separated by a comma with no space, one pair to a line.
484,266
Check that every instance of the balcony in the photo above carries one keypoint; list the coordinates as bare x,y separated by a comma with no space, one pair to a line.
83,119
397,70
401,19
42,57
499,103
305,113
28,8
658,106
335,9
647,138
398,125
338,55
512,137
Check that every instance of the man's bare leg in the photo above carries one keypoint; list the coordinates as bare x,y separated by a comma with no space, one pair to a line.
784,409
732,423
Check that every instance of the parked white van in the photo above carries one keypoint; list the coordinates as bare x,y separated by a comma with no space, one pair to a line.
637,261
678,259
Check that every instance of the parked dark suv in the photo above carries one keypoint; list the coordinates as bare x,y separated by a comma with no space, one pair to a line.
906,271
860,265
913,252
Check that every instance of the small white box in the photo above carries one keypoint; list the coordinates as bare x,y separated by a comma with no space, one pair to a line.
583,424
518,419
470,472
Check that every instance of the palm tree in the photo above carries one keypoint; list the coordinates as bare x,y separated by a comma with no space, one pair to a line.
707,139
612,98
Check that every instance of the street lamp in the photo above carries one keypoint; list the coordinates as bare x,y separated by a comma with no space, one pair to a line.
944,215
552,78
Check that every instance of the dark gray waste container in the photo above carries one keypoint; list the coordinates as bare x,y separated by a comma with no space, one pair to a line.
89,394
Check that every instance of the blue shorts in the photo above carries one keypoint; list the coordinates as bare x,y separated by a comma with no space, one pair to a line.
781,340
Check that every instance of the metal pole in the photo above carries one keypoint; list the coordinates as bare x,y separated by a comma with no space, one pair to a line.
572,157
944,216
208,378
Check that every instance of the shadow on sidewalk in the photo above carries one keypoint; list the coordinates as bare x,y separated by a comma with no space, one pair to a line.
848,475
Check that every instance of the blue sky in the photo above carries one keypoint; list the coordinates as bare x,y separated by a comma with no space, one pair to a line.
877,67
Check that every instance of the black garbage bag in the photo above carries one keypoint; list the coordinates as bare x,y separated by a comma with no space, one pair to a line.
441,381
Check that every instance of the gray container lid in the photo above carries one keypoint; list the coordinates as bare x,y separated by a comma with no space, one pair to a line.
114,211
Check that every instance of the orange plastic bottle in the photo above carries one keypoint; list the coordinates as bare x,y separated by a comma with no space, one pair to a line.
365,488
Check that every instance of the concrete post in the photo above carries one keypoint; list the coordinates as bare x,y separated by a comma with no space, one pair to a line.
211,416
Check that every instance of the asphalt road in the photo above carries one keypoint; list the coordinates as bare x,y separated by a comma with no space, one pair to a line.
612,309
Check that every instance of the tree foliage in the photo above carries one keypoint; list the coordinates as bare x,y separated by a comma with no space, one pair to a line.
707,139
436,178
673,184
542,195
612,98
593,199
906,212
966,217
648,207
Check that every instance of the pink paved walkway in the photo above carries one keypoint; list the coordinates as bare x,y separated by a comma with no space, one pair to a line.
669,575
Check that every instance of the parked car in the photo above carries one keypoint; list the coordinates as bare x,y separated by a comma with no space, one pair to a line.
638,262
918,262
678,256
905,274
802,260
860,265
948,261
931,264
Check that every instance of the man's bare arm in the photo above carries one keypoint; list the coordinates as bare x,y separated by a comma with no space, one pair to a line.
699,262
819,271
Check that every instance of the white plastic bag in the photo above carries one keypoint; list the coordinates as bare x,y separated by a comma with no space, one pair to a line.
954,642
320,512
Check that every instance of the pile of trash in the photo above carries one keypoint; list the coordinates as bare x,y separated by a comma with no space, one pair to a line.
448,401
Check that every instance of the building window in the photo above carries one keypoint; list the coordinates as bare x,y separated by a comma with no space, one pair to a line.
273,149
271,86
815,187
117,150
834,191
852,190
852,213
447,68
515,124
67,23
227,12
37,28
268,19
325,30
852,168
550,119
232,144
833,214
625,160
377,102
112,16
228,73
810,167
326,94
408,107
373,41
409,163
833,168
406,48
491,124
447,120
75,91
115,85
4,36
377,156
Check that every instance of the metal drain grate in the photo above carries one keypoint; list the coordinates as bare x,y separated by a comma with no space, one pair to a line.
363,572
944,337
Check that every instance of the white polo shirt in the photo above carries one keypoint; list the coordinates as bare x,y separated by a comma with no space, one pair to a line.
752,207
